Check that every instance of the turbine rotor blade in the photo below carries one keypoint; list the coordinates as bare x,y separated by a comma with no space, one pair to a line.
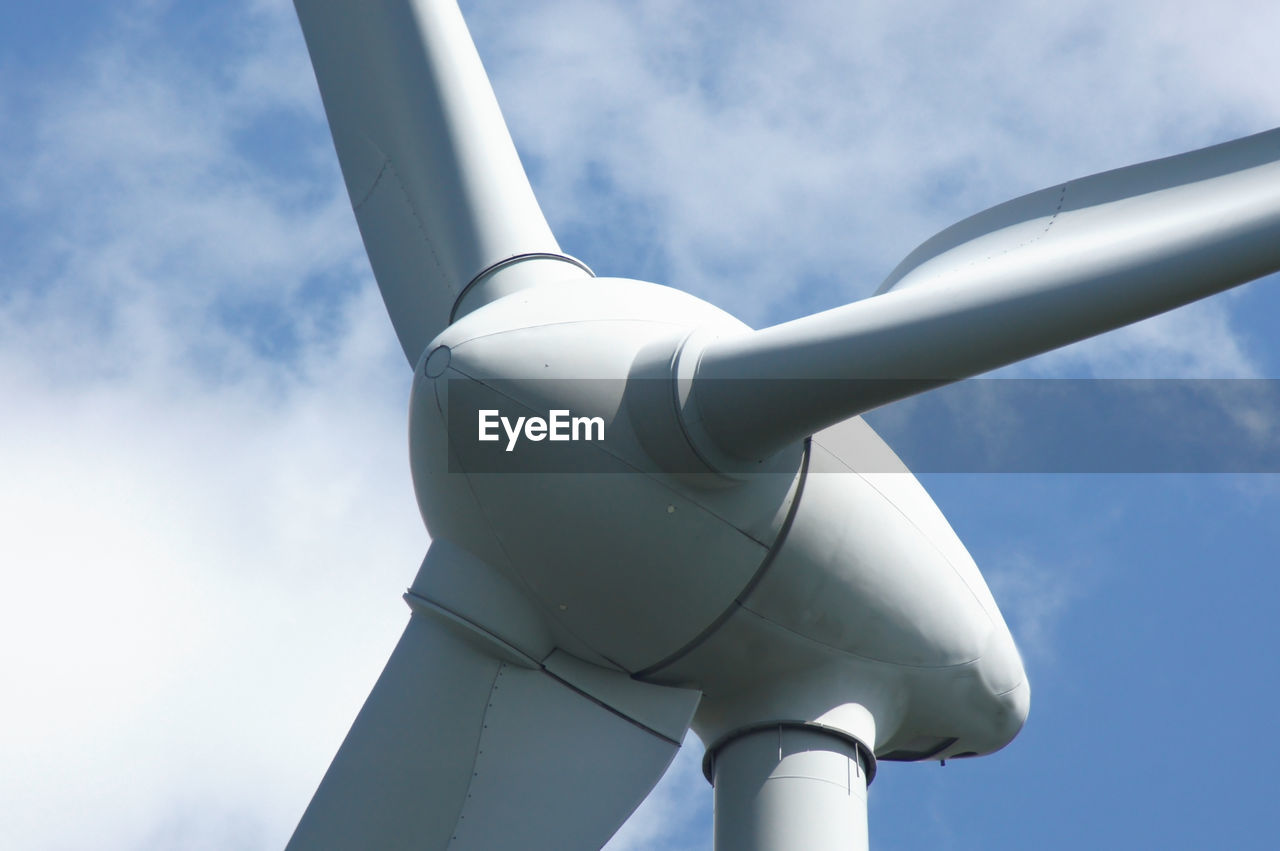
458,748
1014,281
442,201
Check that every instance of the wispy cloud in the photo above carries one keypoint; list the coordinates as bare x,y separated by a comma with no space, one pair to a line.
785,158
1202,340
1035,597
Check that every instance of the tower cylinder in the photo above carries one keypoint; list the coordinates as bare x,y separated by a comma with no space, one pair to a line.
789,786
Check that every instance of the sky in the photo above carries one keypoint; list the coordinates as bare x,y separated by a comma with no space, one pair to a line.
206,517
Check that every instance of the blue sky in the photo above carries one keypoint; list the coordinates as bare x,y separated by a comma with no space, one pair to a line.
206,517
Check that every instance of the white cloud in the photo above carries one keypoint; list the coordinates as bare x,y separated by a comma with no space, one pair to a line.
787,157
197,584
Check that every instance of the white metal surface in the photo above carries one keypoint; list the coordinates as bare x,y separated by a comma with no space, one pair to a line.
458,747
1019,279
870,617
433,176
614,553
784,788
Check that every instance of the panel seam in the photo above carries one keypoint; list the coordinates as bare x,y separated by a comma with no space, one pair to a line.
739,601
475,761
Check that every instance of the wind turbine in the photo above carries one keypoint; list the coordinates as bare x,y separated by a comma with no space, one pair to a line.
724,557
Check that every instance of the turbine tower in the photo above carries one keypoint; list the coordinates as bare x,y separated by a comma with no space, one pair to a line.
646,516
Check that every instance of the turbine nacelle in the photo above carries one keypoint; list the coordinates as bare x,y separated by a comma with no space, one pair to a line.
788,590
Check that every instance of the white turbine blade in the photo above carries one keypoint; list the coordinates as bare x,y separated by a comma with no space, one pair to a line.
434,179
456,749
1019,279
